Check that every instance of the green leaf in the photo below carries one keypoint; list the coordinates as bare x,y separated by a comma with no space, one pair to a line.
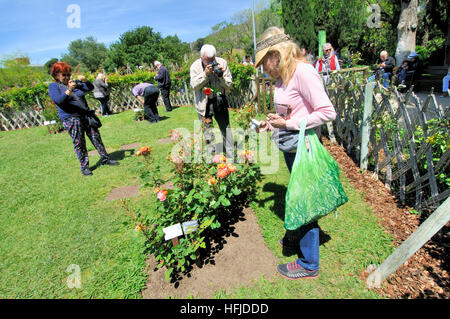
236,191
225,201
168,273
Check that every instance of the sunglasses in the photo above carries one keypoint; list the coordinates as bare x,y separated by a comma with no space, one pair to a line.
327,50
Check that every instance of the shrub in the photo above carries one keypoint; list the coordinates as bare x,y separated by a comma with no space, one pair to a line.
202,191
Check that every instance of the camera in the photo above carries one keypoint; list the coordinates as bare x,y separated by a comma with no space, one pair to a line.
255,124
79,84
216,69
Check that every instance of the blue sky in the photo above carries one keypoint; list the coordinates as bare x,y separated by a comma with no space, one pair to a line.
38,28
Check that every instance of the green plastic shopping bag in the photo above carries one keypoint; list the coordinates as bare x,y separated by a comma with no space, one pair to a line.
314,188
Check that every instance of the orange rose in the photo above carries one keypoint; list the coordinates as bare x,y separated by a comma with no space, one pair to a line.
221,166
144,150
222,173
231,168
212,181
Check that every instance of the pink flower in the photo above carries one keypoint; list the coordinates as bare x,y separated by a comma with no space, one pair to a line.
219,158
162,195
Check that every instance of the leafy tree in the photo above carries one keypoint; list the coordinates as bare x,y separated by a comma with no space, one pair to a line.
15,71
89,53
142,46
173,50
298,21
238,33
48,65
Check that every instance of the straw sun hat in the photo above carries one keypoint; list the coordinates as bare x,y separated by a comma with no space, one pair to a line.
266,45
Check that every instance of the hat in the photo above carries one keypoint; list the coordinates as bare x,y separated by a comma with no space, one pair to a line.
264,46
412,55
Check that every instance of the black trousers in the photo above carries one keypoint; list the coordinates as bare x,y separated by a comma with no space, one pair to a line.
151,94
218,107
165,92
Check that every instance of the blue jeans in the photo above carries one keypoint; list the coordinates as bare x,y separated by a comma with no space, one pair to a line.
308,234
386,77
445,81
104,103
405,75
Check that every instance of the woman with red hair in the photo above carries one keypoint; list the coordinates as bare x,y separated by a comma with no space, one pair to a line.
73,111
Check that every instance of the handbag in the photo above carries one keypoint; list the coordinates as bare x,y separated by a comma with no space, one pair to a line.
314,189
285,140
93,120
90,116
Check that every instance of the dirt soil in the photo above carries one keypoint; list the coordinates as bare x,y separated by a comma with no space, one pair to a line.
239,258
424,275
123,192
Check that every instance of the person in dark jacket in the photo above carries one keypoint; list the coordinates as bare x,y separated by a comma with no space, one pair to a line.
74,111
385,66
410,70
101,93
164,82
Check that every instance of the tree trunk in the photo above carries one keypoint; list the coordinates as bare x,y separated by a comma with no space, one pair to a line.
406,30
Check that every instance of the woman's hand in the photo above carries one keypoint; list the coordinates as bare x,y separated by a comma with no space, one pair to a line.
82,78
262,126
72,85
276,121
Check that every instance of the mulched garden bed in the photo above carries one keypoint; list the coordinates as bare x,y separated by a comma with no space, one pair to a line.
426,273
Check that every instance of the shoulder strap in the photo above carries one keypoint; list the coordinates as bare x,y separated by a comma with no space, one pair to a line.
301,140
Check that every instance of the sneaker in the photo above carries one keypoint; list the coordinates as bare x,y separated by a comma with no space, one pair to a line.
289,243
294,271
86,171
110,162
402,85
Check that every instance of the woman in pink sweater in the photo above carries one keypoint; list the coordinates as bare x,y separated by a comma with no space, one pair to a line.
299,94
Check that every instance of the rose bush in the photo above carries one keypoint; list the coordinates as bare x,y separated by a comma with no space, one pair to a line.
202,191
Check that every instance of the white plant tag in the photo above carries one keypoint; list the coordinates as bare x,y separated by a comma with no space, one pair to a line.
172,231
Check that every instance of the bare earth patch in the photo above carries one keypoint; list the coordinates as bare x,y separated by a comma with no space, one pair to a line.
95,153
130,146
239,260
165,140
123,192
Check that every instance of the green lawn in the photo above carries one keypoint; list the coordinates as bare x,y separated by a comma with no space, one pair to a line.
52,217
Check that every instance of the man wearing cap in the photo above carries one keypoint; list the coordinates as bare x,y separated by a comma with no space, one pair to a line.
210,84
411,69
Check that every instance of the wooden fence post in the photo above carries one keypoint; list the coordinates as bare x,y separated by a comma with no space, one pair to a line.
186,93
429,227
365,134
257,93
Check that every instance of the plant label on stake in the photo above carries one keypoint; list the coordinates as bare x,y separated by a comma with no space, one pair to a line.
190,226
172,232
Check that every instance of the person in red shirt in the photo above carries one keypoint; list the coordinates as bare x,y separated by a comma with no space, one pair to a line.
329,61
